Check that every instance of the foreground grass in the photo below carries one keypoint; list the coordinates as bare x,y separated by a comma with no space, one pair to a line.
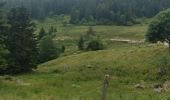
80,76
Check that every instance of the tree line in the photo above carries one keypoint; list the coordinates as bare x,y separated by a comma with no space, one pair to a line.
120,12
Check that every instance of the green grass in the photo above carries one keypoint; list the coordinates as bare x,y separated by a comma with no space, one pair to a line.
80,76
68,35
73,32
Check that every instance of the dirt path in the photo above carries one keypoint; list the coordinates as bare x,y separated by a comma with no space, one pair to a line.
127,40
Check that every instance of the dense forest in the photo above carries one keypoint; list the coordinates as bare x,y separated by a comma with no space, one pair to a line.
120,12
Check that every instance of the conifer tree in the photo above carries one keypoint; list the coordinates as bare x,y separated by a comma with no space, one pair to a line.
21,42
63,48
51,30
47,49
81,43
42,33
3,50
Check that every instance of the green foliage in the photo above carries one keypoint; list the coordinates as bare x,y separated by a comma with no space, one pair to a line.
105,31
163,67
3,25
21,42
120,12
42,33
90,32
3,61
95,44
159,29
52,31
63,48
75,16
47,49
3,50
81,43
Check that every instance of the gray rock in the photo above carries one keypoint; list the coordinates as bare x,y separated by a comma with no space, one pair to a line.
89,66
158,90
166,86
139,86
76,86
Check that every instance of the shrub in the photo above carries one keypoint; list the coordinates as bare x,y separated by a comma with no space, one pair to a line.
159,28
47,50
81,43
95,44
63,48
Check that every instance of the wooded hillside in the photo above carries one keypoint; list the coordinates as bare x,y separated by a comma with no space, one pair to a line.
120,12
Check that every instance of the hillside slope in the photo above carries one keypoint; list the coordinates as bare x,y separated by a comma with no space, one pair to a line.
80,76
126,66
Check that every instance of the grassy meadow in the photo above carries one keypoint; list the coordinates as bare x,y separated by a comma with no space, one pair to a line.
67,31
79,75
68,35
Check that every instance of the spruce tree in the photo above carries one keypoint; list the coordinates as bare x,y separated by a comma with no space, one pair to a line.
3,50
47,49
3,61
51,30
42,33
21,42
3,26
63,48
81,43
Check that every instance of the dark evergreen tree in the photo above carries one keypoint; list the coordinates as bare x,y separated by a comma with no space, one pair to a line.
75,14
55,29
3,25
3,50
81,43
21,42
63,48
42,33
52,32
3,61
47,49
